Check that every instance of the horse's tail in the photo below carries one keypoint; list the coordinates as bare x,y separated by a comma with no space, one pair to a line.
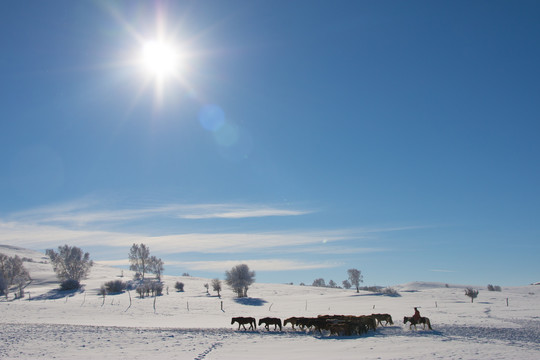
429,324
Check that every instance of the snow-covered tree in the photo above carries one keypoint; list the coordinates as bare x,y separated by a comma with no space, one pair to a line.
12,272
472,293
70,264
142,263
156,267
239,278
216,286
139,257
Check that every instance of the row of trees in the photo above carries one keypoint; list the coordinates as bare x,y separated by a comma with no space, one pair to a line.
12,272
354,279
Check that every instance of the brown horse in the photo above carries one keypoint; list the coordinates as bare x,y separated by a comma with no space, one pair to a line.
242,321
267,321
423,320
387,318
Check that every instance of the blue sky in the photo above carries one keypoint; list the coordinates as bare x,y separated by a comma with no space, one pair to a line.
303,138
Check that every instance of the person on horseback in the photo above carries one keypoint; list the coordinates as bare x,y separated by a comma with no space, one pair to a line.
416,316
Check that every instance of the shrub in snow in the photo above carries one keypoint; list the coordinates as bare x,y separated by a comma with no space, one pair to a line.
493,288
371,288
389,291
115,286
149,288
70,284
179,286
156,288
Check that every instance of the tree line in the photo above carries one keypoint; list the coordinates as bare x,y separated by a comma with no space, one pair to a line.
72,265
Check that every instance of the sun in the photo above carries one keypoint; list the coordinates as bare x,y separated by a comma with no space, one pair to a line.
160,59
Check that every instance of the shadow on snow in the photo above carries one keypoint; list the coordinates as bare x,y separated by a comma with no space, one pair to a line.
250,301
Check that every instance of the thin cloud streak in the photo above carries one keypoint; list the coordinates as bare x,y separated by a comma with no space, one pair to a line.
45,236
245,213
85,213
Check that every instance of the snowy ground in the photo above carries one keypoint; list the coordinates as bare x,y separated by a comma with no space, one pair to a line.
191,324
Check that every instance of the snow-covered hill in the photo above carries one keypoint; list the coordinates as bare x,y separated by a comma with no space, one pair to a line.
196,325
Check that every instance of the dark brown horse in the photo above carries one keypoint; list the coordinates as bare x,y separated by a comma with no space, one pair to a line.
242,321
267,321
423,320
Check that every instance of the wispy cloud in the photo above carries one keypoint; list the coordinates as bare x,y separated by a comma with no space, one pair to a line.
43,236
239,212
85,224
88,211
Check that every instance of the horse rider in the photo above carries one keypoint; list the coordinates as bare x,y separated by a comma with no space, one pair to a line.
416,316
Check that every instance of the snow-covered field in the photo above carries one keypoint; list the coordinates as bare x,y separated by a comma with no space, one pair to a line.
192,324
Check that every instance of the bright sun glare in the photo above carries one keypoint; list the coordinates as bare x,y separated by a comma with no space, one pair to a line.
160,58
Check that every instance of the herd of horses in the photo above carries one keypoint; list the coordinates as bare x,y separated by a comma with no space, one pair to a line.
339,325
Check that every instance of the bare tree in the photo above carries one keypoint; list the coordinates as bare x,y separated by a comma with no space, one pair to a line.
472,293
346,284
332,284
70,264
355,276
319,282
239,278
